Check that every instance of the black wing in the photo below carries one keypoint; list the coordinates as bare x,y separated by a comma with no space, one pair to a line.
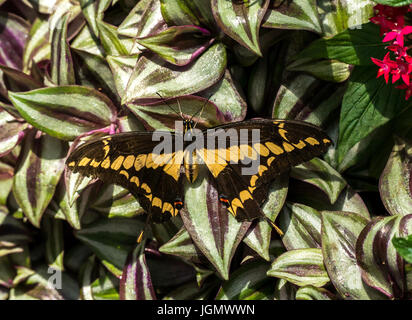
244,171
128,159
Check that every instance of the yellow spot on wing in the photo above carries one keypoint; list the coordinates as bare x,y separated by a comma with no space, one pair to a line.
282,133
288,147
72,164
167,207
83,162
253,180
173,167
245,195
117,163
232,212
106,163
326,141
274,148
125,173
312,141
135,180
247,151
94,163
281,125
146,188
251,189
300,145
262,169
261,149
234,153
106,151
140,161
236,203
270,160
128,162
157,202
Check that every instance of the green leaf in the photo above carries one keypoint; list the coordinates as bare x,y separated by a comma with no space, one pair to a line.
178,45
368,104
122,69
249,282
201,74
340,231
15,80
301,225
404,247
188,12
241,21
140,17
259,237
159,115
53,229
227,95
62,70
327,70
313,293
39,168
110,40
394,3
381,266
352,46
301,267
320,174
394,183
85,41
37,47
65,112
296,15
111,239
212,228
11,132
136,283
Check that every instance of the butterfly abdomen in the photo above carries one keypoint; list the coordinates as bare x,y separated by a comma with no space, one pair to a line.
191,166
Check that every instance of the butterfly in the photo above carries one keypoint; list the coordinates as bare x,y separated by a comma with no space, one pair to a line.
240,170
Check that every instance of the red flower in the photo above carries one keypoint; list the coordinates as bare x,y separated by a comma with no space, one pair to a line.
401,52
386,66
398,35
408,89
402,70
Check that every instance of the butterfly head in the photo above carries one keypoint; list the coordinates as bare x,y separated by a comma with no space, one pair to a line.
188,125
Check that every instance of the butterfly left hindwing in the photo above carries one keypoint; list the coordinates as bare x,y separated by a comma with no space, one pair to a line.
127,159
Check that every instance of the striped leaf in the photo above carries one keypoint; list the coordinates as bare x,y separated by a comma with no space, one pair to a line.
214,231
394,183
296,15
152,76
13,37
249,282
225,94
313,293
259,237
15,80
65,112
188,12
301,225
11,132
382,267
86,42
122,69
37,47
136,283
111,240
327,70
161,115
181,245
178,45
62,70
110,40
40,165
339,233
241,21
301,267
320,174
53,229
93,71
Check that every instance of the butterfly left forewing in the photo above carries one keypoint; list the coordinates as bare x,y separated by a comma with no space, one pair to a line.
128,159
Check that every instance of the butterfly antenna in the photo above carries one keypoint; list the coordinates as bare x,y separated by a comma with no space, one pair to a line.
165,102
278,230
201,111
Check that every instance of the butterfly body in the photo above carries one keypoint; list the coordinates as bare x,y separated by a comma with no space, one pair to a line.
241,159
